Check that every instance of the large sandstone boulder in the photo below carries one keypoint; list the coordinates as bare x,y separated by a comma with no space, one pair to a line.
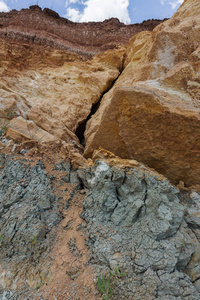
152,112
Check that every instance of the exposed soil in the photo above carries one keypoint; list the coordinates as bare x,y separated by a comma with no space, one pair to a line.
73,275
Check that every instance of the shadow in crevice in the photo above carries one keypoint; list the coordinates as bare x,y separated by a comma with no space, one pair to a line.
82,126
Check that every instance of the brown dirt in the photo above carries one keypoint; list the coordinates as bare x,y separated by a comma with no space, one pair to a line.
72,273
73,276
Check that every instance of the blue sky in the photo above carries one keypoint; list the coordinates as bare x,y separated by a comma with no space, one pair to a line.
128,11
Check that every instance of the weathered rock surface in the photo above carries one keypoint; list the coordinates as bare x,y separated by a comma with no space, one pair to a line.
45,75
29,212
136,226
42,249
137,229
139,226
47,28
152,112
58,98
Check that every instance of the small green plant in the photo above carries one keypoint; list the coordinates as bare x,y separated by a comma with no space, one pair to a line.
1,240
183,245
105,286
34,240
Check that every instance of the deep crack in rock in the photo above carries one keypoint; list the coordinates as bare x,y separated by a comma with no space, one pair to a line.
82,126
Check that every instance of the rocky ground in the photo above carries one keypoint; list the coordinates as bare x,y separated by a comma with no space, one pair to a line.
43,251
132,224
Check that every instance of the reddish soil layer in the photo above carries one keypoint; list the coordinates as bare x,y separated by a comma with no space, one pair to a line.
46,27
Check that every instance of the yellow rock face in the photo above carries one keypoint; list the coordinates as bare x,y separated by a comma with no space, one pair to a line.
56,91
22,130
152,114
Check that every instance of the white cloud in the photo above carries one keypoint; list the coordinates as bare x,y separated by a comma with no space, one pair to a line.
99,10
174,4
74,1
73,14
4,7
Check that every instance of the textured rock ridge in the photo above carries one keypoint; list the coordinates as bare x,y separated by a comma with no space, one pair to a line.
152,112
47,28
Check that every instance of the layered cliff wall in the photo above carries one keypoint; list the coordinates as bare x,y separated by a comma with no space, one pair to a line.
35,26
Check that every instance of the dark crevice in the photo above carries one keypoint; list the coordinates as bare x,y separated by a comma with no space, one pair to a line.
140,210
81,187
198,278
117,195
82,126
194,232
14,229
137,215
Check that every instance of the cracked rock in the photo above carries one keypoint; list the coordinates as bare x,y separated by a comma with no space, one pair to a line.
28,210
135,223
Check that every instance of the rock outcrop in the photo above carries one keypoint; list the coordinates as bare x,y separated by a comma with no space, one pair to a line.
46,28
152,112
46,77
136,226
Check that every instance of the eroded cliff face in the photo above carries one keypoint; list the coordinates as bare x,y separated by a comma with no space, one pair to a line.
48,87
140,101
152,112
